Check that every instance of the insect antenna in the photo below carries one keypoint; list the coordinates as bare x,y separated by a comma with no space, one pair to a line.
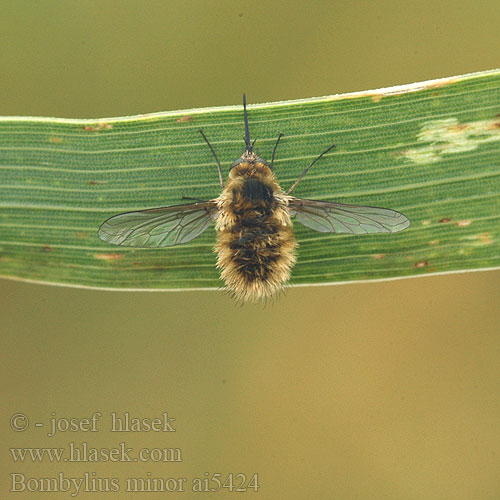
301,176
215,156
274,150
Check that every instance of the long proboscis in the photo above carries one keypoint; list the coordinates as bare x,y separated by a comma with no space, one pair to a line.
247,130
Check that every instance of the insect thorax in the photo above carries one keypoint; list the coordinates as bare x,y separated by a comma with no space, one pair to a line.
252,194
251,183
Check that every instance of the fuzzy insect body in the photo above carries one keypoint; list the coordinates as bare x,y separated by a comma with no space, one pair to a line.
253,217
255,241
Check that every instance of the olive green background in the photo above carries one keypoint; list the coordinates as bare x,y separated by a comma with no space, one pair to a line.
382,391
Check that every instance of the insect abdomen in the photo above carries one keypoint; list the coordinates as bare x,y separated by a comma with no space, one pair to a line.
256,250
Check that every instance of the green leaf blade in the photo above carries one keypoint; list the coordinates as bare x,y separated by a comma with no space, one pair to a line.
430,151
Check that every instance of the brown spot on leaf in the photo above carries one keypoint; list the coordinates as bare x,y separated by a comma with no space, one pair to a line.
109,256
377,98
484,238
82,235
444,220
184,119
421,264
378,255
441,83
55,140
426,222
97,127
47,248
459,128
463,223
434,242
91,183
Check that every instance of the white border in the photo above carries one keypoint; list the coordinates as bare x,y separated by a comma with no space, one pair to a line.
397,89
215,289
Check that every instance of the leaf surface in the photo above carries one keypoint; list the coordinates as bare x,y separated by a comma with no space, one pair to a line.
429,150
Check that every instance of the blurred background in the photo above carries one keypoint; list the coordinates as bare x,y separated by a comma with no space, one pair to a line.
381,391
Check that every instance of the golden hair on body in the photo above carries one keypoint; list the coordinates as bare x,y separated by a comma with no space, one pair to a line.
255,240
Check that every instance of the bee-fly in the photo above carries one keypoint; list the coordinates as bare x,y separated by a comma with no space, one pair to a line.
255,241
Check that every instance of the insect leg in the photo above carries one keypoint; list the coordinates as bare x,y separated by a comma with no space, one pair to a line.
307,169
274,150
215,156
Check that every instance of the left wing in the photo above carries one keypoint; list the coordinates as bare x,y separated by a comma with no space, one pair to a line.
331,217
159,227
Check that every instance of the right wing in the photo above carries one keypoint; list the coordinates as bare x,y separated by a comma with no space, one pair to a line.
159,227
332,217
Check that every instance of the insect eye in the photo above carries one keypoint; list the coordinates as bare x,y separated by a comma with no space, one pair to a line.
237,162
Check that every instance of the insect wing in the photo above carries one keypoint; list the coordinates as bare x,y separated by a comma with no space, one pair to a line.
331,217
159,227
